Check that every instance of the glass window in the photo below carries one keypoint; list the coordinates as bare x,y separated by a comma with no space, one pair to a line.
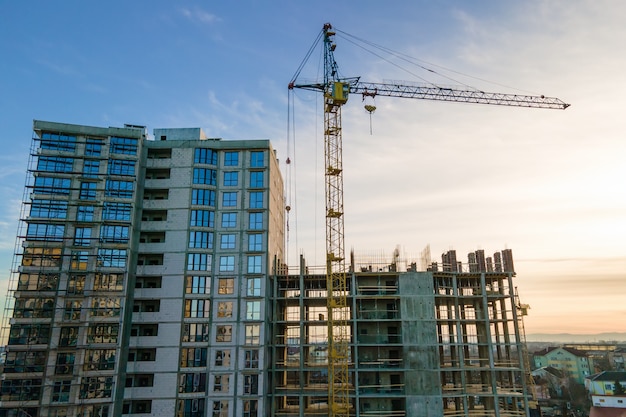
43,231
55,164
126,146
49,209
257,179
220,409
68,336
254,264
93,147
96,387
47,185
91,168
198,285
222,357
255,242
253,310
253,334
229,199
203,240
202,197
112,258
108,282
61,391
227,263
254,287
227,241
251,384
196,332
87,190
205,156
82,236
257,159
121,167
231,178
204,176
193,357
79,260
255,221
116,211
224,333
119,189
114,234
250,408
221,383
103,333
58,142
224,309
85,213
193,382
231,158
251,359
226,286
202,218
229,220
198,262
256,199
192,407
197,308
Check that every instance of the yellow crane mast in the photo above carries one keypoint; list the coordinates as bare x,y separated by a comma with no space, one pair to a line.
335,90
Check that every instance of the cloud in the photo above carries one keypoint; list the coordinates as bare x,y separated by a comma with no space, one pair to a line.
201,16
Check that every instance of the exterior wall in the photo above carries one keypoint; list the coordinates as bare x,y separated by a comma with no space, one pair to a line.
574,366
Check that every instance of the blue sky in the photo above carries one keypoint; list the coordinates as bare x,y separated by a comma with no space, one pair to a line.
547,184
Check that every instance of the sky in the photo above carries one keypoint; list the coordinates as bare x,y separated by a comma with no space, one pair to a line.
548,184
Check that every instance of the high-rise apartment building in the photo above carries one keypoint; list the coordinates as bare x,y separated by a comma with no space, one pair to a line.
149,280
141,276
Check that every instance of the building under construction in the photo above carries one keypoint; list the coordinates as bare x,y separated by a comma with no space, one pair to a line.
148,280
445,341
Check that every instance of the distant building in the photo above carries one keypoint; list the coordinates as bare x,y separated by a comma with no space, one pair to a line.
549,380
574,363
602,388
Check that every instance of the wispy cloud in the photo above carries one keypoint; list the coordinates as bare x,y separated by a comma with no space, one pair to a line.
200,16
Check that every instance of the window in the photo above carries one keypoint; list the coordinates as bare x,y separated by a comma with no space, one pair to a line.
79,260
256,199
112,258
29,334
68,336
91,168
229,220
253,310
221,383
203,240
121,167
224,309
255,242
47,185
205,156
116,211
251,384
201,197
226,286
231,178
202,218
229,199
257,179
82,236
58,142
114,234
49,209
204,176
93,147
222,357
192,382
96,387
224,333
61,391
65,363
85,214
198,285
55,164
119,189
253,334
220,409
105,307
257,159
195,332
103,333
108,282
231,159
43,231
193,357
254,287
227,263
227,241
191,408
255,221
198,262
197,308
87,191
72,310
254,264
251,359
75,284
250,408
125,146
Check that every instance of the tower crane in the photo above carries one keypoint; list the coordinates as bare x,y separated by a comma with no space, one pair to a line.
335,90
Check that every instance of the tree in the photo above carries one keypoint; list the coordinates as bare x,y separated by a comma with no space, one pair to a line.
619,389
